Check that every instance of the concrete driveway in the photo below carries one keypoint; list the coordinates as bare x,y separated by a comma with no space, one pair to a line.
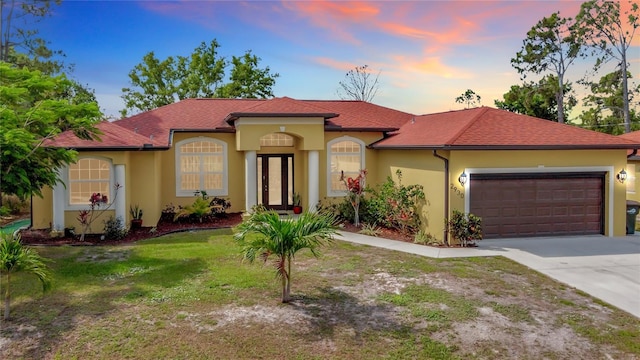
604,267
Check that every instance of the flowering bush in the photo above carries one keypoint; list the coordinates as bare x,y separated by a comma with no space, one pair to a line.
355,190
87,216
396,206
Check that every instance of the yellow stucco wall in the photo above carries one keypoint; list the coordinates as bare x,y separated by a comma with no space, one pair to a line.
42,209
422,168
308,131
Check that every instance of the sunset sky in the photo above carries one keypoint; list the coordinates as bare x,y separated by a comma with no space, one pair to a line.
427,52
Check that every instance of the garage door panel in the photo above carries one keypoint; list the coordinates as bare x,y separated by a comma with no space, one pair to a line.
538,204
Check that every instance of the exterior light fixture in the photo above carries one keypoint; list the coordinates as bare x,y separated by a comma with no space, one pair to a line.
463,178
621,176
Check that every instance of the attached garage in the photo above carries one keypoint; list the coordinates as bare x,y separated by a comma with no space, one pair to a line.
538,204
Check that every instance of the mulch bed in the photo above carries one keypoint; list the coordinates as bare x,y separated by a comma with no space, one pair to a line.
42,237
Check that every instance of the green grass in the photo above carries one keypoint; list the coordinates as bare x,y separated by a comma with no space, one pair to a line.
190,296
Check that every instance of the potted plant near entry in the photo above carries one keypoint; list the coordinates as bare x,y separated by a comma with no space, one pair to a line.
297,203
136,216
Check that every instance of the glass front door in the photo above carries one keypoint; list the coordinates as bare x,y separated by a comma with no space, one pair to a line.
275,181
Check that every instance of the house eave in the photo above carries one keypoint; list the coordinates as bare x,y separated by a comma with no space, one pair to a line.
232,117
505,147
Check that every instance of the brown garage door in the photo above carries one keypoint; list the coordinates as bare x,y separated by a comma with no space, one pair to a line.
538,204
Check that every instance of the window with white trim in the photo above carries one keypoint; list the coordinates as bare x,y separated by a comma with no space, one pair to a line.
345,155
201,164
88,176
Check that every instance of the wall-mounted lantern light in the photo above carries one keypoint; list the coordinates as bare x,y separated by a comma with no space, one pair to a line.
621,176
462,178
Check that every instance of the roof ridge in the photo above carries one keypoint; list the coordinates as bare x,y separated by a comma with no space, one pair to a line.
484,109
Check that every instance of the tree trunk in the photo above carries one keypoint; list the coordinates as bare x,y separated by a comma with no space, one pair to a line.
284,289
560,99
625,92
287,297
7,298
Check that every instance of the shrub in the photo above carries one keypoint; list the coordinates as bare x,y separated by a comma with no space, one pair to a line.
395,205
5,211
423,238
114,229
370,230
168,213
465,229
219,206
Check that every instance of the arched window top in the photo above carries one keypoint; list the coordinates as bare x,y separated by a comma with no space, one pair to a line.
276,139
201,145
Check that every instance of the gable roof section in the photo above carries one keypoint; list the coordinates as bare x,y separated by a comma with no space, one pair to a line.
112,137
281,107
363,116
487,128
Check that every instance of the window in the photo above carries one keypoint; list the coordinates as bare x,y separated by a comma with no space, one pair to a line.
201,164
344,154
276,139
89,176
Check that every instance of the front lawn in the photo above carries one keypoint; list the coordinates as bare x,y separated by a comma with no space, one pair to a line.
189,296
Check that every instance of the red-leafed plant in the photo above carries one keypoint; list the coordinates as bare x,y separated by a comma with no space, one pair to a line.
96,201
355,191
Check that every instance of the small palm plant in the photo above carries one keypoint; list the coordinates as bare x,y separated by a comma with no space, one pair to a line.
264,233
199,209
14,258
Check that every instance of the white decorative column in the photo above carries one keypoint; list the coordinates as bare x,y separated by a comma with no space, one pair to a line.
251,180
59,202
314,179
121,200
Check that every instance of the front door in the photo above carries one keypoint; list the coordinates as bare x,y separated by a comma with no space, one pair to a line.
275,181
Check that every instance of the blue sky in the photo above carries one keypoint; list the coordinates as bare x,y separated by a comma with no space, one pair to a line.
427,52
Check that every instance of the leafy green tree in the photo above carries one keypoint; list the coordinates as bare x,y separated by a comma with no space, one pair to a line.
610,34
248,81
15,258
537,99
158,82
20,43
551,44
469,98
606,112
34,108
264,234
359,84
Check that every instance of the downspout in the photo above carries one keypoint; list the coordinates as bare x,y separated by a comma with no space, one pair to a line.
633,153
445,236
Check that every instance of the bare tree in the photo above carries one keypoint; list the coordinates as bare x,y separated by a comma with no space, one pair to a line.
359,84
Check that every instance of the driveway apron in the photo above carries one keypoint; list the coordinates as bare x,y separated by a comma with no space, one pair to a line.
607,268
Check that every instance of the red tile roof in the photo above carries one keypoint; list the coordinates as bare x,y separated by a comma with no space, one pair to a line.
281,107
633,136
213,114
488,128
112,137
479,128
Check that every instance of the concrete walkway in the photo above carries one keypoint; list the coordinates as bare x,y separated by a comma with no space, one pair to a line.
607,268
